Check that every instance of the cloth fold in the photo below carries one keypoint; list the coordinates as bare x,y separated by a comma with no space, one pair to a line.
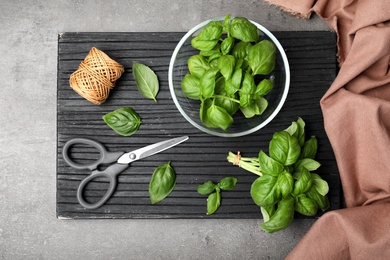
356,111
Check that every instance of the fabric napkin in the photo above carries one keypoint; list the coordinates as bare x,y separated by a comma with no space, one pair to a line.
356,111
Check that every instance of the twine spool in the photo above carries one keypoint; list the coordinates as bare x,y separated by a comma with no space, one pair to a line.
96,76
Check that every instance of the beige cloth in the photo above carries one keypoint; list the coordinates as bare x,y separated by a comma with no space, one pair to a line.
356,111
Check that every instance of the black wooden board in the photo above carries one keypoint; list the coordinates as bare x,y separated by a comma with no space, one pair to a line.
312,57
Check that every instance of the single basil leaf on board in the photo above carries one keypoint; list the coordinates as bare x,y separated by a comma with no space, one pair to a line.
124,121
213,202
162,183
284,148
282,217
191,87
146,79
242,29
227,183
261,57
206,188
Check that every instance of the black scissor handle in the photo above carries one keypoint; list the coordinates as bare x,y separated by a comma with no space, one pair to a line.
105,156
111,174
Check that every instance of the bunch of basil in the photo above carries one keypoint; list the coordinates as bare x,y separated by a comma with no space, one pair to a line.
287,182
230,73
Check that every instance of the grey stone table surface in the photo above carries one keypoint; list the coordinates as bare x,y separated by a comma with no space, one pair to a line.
29,228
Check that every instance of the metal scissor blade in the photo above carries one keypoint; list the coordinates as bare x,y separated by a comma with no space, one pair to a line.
150,150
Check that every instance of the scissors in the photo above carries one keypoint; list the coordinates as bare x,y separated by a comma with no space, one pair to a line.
119,162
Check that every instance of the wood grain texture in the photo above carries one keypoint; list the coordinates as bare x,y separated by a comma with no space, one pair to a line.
312,57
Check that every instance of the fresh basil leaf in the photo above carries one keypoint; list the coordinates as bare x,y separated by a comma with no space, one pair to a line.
207,82
264,87
303,181
321,201
242,29
226,65
261,104
305,205
219,117
268,165
309,149
284,148
227,45
198,65
264,191
226,23
301,135
293,129
208,37
249,111
204,107
162,183
309,164
233,84
204,45
213,202
267,212
206,188
319,184
191,87
227,183
261,57
146,79
246,101
219,88
240,50
224,101
124,121
248,84
285,183
282,217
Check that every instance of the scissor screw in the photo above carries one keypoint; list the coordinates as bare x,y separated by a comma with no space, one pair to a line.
132,156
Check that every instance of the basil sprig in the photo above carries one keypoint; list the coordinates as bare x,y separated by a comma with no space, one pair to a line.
287,182
214,192
124,121
231,71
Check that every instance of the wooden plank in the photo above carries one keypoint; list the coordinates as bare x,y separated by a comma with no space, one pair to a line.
312,57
